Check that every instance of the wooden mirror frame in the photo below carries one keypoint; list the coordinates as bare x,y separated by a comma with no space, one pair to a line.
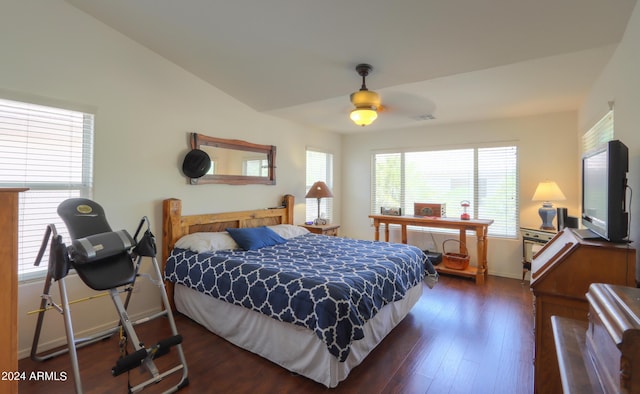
198,140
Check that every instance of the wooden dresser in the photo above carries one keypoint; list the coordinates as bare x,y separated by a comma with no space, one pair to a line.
602,356
9,287
561,273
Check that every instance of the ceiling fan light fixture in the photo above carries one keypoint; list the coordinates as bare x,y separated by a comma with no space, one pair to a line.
364,116
365,101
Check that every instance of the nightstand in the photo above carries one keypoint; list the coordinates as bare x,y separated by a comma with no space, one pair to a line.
323,229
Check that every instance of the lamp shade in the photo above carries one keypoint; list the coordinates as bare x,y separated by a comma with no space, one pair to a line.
319,190
548,191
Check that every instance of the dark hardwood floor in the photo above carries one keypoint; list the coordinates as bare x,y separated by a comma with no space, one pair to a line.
459,338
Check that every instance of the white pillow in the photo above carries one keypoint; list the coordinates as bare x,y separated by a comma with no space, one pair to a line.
288,230
207,242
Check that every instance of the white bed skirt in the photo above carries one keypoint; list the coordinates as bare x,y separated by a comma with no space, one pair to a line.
295,348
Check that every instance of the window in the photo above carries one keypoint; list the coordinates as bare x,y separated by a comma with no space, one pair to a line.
255,167
319,168
485,176
50,151
599,134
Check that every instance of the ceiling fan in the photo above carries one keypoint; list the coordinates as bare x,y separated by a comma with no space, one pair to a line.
403,107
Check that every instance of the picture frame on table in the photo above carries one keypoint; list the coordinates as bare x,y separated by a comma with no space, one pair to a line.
391,211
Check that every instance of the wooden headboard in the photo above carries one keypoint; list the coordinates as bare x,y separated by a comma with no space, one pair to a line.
175,226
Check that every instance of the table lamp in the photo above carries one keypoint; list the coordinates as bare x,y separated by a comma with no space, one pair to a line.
546,192
319,190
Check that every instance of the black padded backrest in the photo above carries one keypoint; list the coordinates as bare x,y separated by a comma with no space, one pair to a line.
83,217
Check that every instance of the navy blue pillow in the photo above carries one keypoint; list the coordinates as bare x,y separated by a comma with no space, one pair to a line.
255,237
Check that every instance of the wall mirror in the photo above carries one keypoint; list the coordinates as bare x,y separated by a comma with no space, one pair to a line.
236,162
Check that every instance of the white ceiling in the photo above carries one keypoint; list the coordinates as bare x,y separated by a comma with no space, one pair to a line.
458,60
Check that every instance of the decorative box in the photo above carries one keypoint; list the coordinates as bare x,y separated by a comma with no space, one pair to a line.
429,209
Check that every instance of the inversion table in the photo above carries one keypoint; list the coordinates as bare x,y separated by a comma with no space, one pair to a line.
106,260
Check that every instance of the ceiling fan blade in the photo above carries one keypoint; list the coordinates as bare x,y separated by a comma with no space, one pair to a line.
407,104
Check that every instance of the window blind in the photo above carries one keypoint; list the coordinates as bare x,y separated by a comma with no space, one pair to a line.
319,168
497,189
442,177
486,177
50,151
600,133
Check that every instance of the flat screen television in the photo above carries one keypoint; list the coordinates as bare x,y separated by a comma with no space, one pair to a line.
604,184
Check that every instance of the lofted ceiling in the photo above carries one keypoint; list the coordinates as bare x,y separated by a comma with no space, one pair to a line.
454,60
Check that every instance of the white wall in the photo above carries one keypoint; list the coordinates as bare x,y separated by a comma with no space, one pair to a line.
54,54
620,82
546,150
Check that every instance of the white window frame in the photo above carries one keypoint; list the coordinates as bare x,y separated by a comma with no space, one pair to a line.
48,150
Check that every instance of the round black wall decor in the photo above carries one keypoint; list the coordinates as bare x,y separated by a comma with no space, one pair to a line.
196,163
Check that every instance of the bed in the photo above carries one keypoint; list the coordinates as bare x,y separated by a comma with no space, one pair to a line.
313,304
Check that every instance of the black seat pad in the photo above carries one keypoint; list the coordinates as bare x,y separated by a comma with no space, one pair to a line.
111,272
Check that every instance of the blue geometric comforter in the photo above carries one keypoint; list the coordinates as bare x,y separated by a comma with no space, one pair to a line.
330,285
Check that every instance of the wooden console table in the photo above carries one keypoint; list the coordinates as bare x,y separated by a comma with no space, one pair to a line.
479,226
